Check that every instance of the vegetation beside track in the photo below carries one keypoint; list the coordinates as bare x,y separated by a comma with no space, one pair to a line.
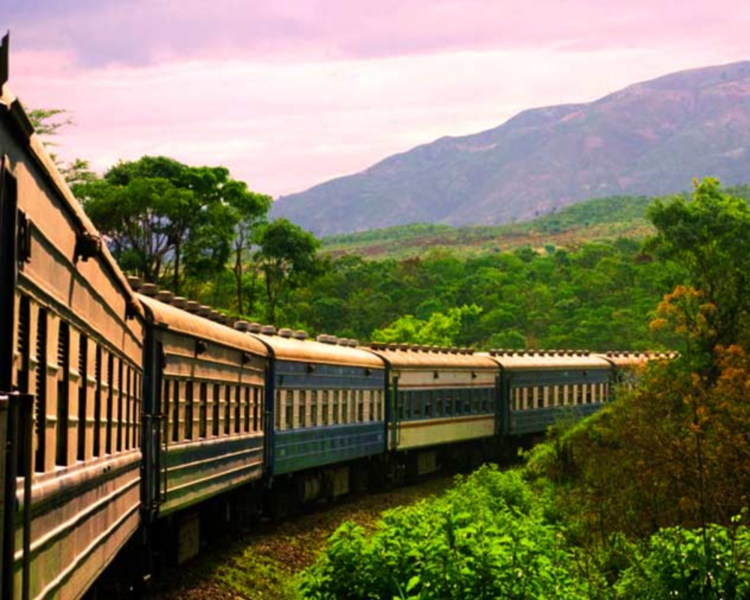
264,563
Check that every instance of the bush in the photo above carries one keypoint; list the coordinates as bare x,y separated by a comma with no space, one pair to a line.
485,538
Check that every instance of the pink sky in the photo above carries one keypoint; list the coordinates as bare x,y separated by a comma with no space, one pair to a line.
289,93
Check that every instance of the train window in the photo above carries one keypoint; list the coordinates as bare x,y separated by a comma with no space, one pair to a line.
118,407
336,414
428,403
24,348
98,397
344,406
176,412
302,408
361,407
128,408
189,402
136,408
277,416
237,408
324,414
228,409
257,408
40,403
248,400
166,407
313,408
438,402
203,410
593,396
215,409
83,373
63,400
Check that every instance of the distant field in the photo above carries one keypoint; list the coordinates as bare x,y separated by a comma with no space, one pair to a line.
606,218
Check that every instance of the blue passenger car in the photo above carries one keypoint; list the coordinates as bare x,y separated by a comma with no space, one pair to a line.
326,400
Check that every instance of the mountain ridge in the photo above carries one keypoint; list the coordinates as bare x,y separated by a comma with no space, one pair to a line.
649,138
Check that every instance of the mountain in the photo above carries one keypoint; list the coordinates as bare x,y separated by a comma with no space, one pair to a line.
650,138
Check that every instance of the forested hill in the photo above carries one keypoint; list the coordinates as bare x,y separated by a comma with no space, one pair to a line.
651,138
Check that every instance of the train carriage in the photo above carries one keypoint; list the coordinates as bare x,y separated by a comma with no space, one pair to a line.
327,401
540,387
71,353
440,397
205,386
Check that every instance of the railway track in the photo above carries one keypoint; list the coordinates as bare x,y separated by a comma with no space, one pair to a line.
262,563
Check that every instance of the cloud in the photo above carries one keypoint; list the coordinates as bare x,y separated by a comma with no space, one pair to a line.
285,126
146,32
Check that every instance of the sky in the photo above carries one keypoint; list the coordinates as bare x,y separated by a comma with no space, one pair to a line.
291,93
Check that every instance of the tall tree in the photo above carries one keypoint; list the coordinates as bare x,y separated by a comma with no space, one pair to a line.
710,236
250,210
166,220
287,256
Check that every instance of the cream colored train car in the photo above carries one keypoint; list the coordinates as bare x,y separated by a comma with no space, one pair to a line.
70,375
439,397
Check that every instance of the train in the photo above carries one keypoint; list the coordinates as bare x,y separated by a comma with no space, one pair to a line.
134,421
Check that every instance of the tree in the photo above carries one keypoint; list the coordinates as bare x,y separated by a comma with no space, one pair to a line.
46,124
287,256
710,237
165,220
250,210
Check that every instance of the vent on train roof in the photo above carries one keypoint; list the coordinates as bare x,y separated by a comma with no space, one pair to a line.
300,335
286,333
254,327
164,296
242,326
343,342
353,343
268,330
149,289
179,302
134,282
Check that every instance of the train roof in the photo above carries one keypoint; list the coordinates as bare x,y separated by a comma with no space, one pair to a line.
24,130
292,349
521,360
181,321
634,359
405,356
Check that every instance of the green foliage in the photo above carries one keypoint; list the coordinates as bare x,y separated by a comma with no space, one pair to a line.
485,538
439,329
167,221
709,236
288,257
590,297
682,563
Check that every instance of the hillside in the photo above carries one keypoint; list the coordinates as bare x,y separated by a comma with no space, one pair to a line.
650,138
592,220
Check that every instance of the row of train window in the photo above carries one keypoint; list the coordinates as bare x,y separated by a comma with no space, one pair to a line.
222,409
538,396
296,409
90,411
424,404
